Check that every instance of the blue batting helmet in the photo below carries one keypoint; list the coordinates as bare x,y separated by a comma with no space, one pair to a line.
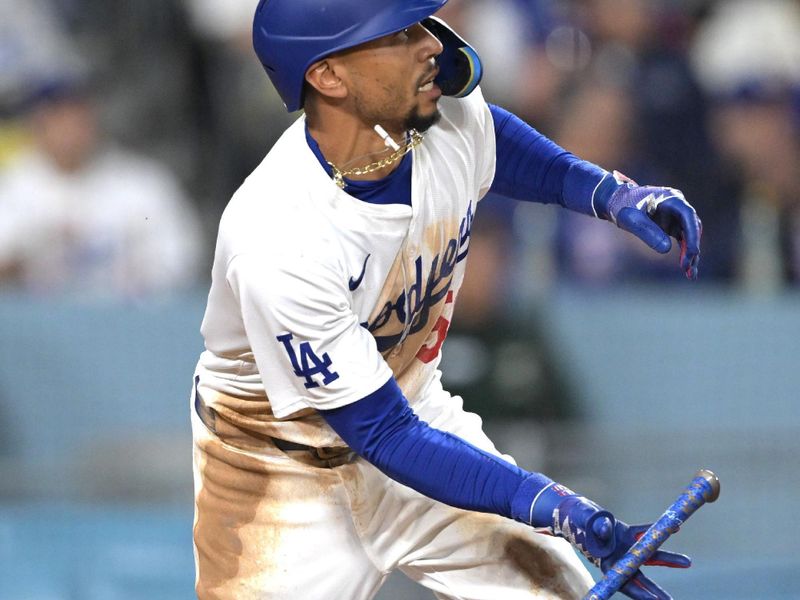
290,35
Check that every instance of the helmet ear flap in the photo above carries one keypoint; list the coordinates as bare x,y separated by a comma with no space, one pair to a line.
460,67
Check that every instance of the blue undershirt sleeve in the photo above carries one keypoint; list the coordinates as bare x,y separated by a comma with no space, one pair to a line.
534,168
384,430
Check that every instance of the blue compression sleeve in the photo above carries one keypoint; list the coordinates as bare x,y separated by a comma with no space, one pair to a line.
385,431
532,167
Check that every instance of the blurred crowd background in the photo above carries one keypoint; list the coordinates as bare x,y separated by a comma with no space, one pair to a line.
126,127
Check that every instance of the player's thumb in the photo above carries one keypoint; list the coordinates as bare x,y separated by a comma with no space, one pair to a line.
639,224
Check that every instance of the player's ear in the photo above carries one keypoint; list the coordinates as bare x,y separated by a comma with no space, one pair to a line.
323,78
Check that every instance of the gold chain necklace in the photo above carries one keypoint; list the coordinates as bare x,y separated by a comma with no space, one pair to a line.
414,140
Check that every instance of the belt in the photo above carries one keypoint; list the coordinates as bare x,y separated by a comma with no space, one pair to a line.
208,416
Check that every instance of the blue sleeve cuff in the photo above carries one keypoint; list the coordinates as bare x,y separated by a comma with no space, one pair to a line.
588,188
525,498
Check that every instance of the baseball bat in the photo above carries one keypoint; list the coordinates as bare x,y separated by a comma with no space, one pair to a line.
703,488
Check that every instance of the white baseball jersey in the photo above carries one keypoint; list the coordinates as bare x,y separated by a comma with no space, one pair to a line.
317,298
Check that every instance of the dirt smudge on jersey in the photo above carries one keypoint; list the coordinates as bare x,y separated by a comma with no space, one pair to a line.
535,562
234,486
437,234
241,419
243,505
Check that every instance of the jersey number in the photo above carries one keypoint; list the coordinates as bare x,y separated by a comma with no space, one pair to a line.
428,353
309,363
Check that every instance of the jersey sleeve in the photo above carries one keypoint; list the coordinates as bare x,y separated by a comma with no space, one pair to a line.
310,349
471,118
486,142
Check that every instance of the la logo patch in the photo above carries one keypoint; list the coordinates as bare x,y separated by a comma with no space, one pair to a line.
308,363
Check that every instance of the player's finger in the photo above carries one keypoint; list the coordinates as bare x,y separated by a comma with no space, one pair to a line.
664,558
661,558
642,226
689,264
690,256
687,228
638,531
641,587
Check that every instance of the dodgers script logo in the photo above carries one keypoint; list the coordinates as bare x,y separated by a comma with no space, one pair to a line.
420,297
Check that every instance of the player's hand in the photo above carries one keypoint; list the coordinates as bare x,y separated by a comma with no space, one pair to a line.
653,214
602,538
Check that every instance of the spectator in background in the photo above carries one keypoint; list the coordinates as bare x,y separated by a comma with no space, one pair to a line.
30,37
637,106
610,80
748,55
598,123
198,103
81,216
142,64
527,38
238,111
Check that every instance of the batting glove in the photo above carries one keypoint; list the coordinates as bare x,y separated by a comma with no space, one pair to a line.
600,537
653,214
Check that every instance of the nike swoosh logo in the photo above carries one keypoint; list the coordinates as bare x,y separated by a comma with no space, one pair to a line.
354,283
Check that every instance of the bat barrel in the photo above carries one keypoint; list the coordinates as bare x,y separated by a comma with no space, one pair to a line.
703,488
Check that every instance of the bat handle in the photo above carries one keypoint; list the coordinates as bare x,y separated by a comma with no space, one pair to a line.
703,488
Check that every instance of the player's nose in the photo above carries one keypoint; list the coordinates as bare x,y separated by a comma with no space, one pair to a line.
429,44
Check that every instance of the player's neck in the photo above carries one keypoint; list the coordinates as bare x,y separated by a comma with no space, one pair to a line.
346,142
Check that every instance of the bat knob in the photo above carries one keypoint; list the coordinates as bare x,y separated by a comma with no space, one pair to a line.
600,540
712,480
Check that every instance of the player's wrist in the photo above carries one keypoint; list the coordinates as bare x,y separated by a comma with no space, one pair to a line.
566,514
606,199
546,504
535,500
586,526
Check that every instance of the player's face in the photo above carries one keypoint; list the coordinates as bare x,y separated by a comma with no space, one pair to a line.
390,80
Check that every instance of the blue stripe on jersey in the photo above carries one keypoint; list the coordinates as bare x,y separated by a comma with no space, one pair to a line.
395,188
532,167
384,430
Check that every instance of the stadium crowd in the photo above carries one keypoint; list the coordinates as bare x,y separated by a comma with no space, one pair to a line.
125,127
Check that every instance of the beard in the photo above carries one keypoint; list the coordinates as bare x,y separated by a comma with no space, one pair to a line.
369,115
414,120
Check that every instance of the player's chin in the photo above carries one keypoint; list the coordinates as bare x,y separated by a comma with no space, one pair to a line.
428,102
423,119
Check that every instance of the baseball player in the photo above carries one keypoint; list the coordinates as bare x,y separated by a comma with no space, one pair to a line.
326,452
